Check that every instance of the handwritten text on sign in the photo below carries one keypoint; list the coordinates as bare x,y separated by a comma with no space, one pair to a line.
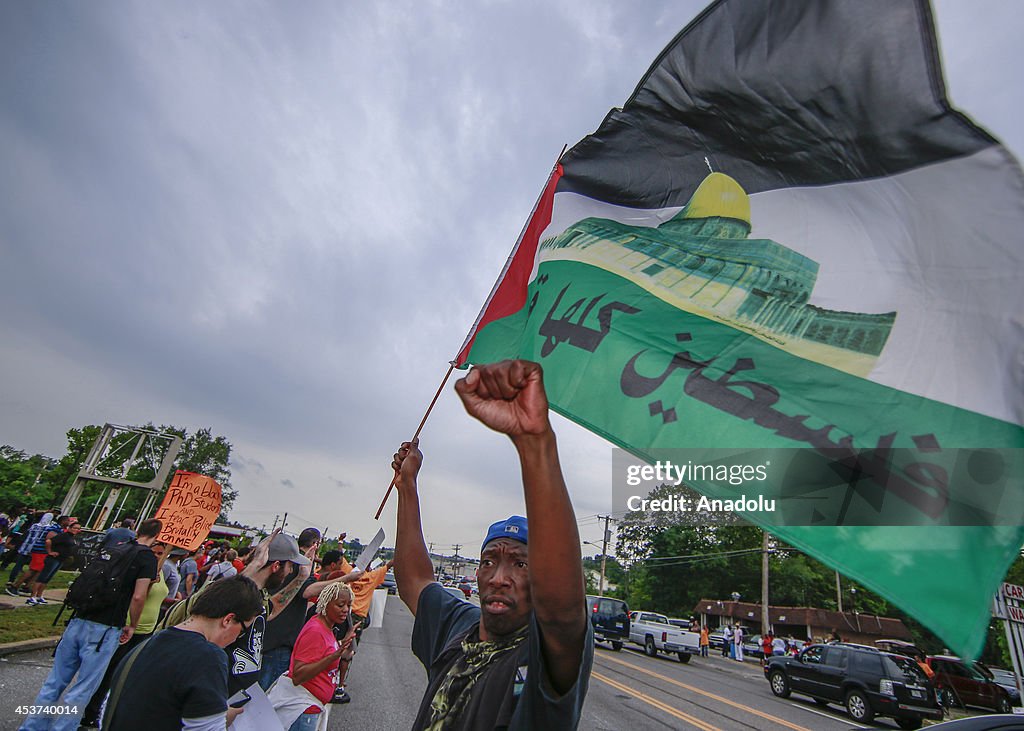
189,509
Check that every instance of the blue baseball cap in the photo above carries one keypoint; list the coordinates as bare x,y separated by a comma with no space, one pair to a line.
513,528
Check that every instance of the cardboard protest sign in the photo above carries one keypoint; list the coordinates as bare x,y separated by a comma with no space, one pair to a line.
189,509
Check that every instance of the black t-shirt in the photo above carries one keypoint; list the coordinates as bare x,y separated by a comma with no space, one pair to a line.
245,655
178,674
285,628
65,545
143,566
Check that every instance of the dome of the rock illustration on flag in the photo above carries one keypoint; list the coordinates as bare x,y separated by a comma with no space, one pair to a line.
703,261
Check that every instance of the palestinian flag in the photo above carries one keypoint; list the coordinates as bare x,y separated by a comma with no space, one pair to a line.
787,237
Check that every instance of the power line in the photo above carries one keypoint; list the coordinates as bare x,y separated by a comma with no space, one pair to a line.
737,551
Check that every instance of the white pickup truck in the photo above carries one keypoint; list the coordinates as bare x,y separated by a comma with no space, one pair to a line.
653,632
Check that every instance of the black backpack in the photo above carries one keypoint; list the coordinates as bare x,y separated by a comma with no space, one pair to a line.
99,586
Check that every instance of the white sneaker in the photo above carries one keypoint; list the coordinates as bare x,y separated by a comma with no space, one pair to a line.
31,602
40,600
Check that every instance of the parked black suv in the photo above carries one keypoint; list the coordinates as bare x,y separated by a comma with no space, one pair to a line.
866,681
610,618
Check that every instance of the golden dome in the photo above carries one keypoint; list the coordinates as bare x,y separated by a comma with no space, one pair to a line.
718,195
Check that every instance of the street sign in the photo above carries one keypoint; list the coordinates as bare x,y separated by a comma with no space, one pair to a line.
1009,607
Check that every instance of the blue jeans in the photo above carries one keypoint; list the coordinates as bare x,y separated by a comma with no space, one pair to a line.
85,649
19,563
273,665
49,569
306,722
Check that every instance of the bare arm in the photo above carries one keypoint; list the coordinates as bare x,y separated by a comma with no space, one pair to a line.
49,545
317,587
303,672
283,598
258,556
413,569
509,397
135,608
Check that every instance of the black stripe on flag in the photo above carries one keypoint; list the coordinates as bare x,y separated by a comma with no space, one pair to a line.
776,94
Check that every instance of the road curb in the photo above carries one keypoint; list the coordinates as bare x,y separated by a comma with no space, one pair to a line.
41,643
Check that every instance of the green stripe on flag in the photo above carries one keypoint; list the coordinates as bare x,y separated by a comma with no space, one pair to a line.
647,375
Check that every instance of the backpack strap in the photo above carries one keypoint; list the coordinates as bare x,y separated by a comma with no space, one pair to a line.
115,690
187,603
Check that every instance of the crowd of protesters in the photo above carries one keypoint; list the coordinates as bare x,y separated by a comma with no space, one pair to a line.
268,608
182,639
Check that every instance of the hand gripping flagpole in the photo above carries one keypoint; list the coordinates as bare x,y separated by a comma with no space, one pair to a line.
476,324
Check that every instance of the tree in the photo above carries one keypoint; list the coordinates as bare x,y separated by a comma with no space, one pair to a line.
43,482
675,563
22,479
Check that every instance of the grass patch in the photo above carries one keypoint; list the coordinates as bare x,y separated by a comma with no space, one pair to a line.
30,623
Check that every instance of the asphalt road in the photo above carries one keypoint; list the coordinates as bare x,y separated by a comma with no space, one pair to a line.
628,690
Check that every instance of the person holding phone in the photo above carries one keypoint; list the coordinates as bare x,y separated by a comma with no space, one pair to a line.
301,696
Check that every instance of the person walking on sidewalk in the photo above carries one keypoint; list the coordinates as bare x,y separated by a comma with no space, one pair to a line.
34,550
60,548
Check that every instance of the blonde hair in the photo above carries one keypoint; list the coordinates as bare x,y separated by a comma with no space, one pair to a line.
332,592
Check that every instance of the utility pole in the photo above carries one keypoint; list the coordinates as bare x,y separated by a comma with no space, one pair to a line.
839,593
764,583
455,559
274,527
430,555
604,553
284,522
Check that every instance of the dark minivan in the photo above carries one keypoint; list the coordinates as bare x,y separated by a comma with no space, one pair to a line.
610,618
866,681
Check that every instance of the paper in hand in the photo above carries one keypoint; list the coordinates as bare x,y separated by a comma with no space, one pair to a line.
370,551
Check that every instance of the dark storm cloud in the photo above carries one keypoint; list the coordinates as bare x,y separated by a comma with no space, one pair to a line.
280,221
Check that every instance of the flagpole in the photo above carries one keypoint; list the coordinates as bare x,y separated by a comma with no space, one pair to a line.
476,322
511,256
451,367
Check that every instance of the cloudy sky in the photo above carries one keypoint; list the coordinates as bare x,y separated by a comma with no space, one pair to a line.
278,221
